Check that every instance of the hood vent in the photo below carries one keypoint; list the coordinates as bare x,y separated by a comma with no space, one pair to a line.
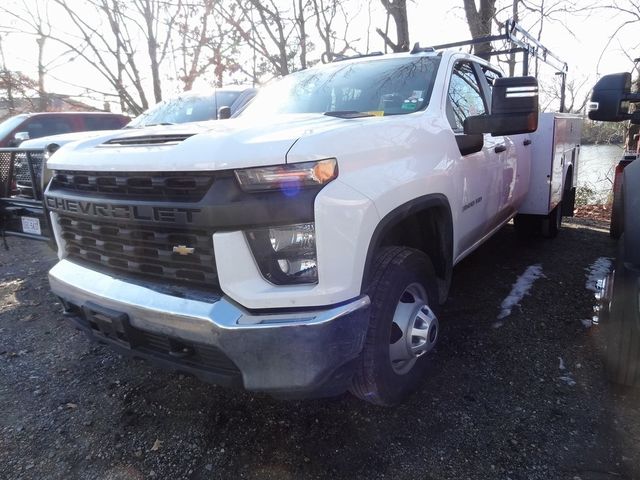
148,140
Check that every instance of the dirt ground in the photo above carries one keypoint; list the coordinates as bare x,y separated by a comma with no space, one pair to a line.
524,400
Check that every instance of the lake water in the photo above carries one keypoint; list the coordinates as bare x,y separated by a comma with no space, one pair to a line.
597,164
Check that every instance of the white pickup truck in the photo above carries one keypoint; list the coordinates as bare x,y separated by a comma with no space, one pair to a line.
303,248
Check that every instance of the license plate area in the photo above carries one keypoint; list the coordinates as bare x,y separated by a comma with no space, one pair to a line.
31,225
109,324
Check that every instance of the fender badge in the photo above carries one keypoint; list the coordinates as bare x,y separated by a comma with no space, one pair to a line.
183,250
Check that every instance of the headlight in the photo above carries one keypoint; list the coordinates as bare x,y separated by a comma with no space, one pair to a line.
288,177
286,255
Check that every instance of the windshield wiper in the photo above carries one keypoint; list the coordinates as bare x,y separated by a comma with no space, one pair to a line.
159,123
348,114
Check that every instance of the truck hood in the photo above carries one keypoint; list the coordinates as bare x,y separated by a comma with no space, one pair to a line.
64,138
212,145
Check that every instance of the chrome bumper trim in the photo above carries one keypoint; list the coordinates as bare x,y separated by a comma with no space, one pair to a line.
185,318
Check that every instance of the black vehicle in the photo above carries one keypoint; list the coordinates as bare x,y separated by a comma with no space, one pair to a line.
619,302
23,176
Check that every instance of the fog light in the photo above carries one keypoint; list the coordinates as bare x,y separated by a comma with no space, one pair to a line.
285,255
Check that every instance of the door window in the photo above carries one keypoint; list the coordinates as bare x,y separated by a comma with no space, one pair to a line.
464,98
45,126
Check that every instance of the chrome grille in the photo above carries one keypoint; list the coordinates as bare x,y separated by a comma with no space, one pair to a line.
142,250
170,186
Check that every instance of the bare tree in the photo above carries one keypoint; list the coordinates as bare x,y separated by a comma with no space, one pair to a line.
114,51
267,29
325,13
150,22
628,16
480,21
32,18
396,9
576,97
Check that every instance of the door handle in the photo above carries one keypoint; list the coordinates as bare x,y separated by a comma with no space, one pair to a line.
499,148
526,142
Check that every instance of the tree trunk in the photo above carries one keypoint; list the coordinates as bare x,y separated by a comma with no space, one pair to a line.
152,49
512,56
480,23
42,95
303,34
397,9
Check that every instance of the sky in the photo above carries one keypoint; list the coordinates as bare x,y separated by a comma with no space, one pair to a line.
578,39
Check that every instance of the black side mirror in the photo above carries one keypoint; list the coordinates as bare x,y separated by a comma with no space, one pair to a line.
610,98
514,109
224,113
469,144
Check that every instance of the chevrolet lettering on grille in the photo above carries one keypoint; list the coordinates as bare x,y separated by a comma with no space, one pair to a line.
123,212
183,250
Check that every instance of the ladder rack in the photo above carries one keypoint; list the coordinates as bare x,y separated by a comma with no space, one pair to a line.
519,41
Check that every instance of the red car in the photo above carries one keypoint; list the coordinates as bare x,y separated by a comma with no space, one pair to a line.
34,125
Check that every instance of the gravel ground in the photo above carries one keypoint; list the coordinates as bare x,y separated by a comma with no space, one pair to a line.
526,400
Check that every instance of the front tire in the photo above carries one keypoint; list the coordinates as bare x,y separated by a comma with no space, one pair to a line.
403,328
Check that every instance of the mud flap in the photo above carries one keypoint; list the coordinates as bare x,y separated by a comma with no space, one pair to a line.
568,202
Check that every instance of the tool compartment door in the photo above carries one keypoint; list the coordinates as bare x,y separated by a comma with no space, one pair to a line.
555,148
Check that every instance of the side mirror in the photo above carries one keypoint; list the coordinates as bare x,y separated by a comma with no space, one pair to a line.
224,113
18,138
609,98
469,144
514,109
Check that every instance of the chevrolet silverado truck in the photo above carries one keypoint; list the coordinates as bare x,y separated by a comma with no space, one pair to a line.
303,248
618,297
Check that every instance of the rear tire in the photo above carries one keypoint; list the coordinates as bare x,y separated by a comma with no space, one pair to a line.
402,326
552,222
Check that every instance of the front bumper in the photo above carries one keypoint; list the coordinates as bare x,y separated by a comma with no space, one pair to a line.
13,209
295,353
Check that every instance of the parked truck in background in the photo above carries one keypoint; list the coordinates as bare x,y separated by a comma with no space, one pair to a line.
619,292
303,248
23,176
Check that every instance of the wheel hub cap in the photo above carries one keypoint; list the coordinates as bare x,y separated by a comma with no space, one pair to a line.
414,330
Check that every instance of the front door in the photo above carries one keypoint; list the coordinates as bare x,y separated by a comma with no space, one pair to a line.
479,173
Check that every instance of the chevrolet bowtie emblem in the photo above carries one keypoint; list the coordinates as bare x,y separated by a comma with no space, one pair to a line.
183,250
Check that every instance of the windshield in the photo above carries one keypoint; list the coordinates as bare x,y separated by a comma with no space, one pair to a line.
188,108
378,87
9,124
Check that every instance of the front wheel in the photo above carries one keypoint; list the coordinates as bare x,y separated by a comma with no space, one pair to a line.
403,327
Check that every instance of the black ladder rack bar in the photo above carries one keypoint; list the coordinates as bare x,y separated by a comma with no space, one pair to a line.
527,44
